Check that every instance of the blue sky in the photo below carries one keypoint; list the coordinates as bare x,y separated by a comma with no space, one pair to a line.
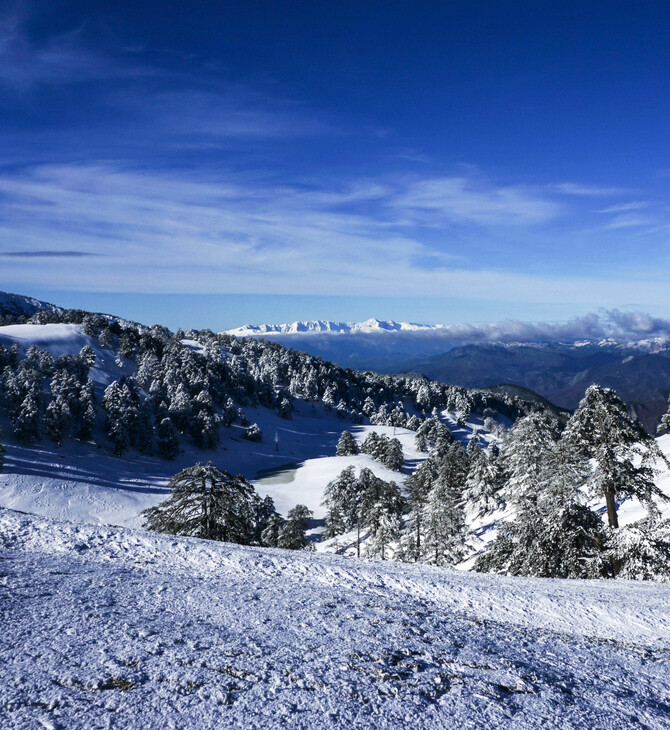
248,162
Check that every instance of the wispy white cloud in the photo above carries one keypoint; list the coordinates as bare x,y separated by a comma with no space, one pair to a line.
172,232
60,59
465,200
588,191
626,220
624,207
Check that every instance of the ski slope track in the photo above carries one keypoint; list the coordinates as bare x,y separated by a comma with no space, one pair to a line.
108,627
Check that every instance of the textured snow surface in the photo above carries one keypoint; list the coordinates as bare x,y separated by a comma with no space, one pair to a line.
107,627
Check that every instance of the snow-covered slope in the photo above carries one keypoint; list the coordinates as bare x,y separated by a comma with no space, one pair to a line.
19,305
108,627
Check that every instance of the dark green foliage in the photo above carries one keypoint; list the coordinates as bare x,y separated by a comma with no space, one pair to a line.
264,515
270,535
208,503
342,499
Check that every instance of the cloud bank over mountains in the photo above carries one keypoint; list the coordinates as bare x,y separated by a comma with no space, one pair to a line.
625,328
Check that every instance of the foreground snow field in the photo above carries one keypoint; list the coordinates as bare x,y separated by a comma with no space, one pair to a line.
106,627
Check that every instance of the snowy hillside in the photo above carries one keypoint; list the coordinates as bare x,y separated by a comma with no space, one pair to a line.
107,627
17,305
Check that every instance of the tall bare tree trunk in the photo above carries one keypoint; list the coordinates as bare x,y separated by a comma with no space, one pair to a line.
612,516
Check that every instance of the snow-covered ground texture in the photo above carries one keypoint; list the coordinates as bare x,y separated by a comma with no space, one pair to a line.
108,627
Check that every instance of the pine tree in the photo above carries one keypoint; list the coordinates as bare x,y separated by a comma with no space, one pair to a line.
58,419
253,433
444,521
524,455
624,454
347,445
206,502
641,551
270,535
382,506
569,544
264,514
121,401
28,422
392,456
87,411
167,438
483,484
418,485
341,499
664,425
292,535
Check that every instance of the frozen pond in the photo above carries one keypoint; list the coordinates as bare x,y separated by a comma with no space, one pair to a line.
282,474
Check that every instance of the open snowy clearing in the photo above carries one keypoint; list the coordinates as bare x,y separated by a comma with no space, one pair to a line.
113,628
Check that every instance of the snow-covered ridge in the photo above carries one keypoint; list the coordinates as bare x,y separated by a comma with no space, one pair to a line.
20,305
323,326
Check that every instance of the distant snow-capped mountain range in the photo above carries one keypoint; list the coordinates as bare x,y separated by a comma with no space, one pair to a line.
322,326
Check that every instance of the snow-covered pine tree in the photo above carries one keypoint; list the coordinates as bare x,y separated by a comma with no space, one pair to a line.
382,506
553,534
292,535
341,499
271,532
641,550
624,454
87,411
206,502
483,483
347,446
253,433
664,425
373,445
28,421
264,513
444,521
121,401
418,486
524,454
58,419
392,456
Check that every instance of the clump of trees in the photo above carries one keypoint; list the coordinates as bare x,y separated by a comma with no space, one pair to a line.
383,449
211,504
364,502
602,452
